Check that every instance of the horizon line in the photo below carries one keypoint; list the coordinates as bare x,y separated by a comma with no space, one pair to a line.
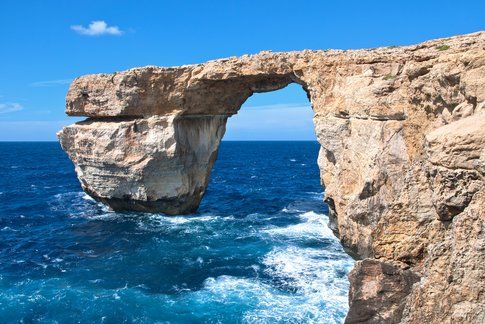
253,140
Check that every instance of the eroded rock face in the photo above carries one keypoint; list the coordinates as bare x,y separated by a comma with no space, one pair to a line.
402,158
378,292
456,155
159,163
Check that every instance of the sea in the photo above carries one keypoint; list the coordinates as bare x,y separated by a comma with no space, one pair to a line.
257,251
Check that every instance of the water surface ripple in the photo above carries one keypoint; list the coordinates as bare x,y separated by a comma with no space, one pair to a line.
257,251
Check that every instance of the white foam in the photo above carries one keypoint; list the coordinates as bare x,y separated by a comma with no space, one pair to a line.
163,219
107,215
266,304
316,274
291,210
43,265
317,279
313,225
189,224
86,197
8,228
309,268
313,195
95,280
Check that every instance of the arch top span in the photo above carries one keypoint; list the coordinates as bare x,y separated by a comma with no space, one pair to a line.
216,87
401,133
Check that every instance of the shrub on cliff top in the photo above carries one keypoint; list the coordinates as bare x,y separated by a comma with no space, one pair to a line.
442,47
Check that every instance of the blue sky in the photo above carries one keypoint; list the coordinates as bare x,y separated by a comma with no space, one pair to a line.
45,44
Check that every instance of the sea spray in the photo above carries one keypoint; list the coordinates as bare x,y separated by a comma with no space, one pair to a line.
258,251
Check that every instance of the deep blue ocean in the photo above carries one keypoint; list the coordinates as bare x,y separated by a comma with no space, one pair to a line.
257,251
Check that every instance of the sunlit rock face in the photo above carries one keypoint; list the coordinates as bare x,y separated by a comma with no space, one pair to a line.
158,163
402,158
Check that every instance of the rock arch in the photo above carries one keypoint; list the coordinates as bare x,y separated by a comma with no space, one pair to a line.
402,138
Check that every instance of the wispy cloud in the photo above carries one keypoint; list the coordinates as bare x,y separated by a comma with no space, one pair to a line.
10,107
97,28
51,83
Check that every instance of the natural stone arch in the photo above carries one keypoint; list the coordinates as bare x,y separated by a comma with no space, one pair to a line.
170,173
401,133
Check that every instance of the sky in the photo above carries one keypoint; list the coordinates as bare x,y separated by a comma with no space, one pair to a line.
45,44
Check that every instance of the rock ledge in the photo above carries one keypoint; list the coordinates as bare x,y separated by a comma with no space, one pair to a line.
402,158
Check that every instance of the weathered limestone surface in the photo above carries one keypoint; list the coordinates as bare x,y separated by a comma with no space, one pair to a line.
159,163
402,158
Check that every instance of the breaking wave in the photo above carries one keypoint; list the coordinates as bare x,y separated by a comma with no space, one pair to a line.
259,250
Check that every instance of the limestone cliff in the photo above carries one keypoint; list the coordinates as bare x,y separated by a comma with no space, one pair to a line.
402,158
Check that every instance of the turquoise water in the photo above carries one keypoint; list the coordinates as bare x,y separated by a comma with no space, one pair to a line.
257,251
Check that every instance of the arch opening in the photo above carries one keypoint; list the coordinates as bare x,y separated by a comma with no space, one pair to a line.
266,177
282,114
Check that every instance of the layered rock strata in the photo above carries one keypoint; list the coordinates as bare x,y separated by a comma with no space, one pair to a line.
402,158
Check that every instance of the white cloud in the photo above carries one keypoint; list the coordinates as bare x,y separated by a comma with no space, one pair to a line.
97,28
50,83
10,107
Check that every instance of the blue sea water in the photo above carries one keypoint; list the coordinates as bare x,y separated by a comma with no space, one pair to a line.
257,251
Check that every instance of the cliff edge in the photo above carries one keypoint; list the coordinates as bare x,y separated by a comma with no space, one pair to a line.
402,158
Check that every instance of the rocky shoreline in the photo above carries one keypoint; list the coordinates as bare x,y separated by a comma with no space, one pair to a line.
402,158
